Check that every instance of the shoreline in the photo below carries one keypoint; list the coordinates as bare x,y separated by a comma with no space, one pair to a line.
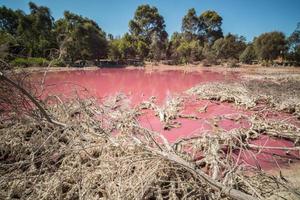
248,69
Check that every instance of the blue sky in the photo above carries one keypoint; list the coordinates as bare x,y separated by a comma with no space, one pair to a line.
244,17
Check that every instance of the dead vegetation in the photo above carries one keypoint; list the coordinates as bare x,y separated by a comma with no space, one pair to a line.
169,112
281,94
102,152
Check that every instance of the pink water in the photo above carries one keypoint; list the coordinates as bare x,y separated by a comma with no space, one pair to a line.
135,83
139,85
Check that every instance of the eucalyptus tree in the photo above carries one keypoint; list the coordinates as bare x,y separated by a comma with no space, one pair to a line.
148,27
269,46
294,44
248,55
210,23
80,37
205,27
9,20
231,46
34,31
190,24
184,50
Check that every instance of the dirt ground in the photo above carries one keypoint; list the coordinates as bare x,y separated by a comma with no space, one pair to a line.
249,69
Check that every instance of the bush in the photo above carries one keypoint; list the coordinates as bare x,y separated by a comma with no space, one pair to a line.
269,46
248,55
29,62
58,63
210,59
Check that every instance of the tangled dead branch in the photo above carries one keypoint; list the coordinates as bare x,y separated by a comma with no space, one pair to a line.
169,112
103,153
282,94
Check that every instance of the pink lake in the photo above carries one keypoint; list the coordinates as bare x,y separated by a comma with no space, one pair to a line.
140,85
136,83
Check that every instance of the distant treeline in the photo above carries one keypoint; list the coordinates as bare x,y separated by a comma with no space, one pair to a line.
36,38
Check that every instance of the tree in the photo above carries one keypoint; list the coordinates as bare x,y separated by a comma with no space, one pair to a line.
210,23
81,37
206,27
174,43
123,48
231,46
248,55
269,46
8,44
9,20
157,48
184,50
34,31
294,44
190,24
142,49
148,26
114,52
209,54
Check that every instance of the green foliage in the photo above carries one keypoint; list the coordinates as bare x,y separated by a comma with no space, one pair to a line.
58,63
210,23
36,35
123,48
269,46
7,42
183,50
148,28
157,49
209,55
248,55
206,27
115,49
28,62
142,49
294,45
9,20
199,33
231,46
80,38
34,31
190,24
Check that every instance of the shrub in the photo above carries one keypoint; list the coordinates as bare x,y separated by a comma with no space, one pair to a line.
269,46
210,59
58,63
248,55
28,62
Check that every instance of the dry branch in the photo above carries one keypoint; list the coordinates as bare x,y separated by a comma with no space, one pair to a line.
104,153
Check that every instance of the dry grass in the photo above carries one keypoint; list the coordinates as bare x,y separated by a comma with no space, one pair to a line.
102,152
281,94
86,160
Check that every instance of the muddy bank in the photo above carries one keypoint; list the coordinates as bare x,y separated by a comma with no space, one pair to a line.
243,68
